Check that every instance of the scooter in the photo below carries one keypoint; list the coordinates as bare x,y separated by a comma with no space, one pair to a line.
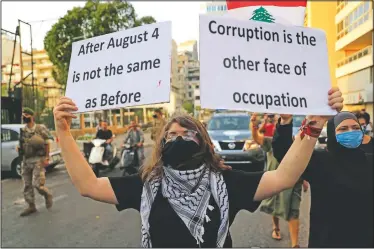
129,160
96,157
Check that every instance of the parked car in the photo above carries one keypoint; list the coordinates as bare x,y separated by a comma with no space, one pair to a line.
10,160
231,138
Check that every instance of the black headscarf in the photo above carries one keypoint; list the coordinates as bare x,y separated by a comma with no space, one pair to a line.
350,165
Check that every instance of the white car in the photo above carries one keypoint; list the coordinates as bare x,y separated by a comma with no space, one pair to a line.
10,160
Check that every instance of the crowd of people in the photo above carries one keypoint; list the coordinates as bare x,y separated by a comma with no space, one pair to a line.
188,197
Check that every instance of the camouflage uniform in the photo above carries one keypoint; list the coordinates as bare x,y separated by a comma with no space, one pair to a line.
33,170
158,125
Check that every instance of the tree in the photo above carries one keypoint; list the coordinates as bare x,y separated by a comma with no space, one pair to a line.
262,15
188,106
94,19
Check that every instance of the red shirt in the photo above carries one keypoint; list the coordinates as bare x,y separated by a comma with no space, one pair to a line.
269,130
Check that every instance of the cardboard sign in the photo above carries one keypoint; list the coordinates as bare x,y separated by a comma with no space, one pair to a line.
262,67
121,69
272,11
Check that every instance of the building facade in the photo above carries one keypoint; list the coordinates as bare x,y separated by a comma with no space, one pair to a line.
43,78
189,46
318,15
354,47
214,7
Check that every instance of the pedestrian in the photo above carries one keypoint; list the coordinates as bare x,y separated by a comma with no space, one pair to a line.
341,182
106,134
268,127
158,124
135,138
184,198
35,152
364,120
286,204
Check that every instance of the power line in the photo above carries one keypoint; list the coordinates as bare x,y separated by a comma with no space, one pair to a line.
45,20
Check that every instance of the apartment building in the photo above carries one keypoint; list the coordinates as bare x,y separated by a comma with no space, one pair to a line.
43,78
354,47
214,7
189,74
7,71
318,15
189,46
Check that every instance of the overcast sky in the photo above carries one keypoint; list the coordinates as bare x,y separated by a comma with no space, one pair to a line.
184,17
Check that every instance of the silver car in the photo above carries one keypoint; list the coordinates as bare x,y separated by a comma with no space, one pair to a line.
232,140
10,160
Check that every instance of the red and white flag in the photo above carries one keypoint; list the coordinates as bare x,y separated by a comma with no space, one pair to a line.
273,11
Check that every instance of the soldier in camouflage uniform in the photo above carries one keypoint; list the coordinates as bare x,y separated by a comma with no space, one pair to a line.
34,149
158,124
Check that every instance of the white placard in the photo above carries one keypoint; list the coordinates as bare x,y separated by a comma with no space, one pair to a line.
121,69
262,67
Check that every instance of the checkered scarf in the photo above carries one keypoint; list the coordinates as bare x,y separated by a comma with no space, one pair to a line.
188,192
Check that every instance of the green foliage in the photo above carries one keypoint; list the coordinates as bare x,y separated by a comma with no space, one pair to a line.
188,106
94,19
262,15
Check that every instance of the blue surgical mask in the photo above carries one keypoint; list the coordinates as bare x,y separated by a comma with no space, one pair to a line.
350,139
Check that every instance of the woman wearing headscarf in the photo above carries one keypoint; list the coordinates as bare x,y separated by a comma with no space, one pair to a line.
341,181
184,198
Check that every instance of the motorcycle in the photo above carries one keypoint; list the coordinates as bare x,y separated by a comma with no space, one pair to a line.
129,160
94,152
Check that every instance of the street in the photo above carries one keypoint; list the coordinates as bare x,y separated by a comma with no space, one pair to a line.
75,221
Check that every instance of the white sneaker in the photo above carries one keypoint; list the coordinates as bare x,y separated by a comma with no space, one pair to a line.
105,162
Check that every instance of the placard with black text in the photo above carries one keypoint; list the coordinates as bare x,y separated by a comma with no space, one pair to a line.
263,67
121,69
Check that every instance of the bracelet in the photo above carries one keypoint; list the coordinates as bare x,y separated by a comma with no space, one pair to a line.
307,129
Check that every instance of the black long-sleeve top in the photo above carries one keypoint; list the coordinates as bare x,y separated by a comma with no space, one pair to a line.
341,213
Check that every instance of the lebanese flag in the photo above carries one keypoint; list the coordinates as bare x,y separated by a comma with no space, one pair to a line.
283,12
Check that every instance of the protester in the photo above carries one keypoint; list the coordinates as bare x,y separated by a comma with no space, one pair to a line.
184,198
367,139
286,204
364,120
267,127
341,180
34,148
106,134
135,137
158,124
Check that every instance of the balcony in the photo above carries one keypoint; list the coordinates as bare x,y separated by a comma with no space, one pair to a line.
356,62
357,87
357,34
344,8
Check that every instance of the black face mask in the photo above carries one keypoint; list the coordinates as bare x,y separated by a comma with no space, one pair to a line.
26,120
154,116
178,152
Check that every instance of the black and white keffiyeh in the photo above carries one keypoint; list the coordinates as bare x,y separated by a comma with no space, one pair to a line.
188,192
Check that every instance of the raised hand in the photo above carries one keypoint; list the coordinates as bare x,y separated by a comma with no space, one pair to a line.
63,115
335,101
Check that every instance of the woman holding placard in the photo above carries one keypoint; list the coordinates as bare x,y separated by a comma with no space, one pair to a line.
184,198
341,180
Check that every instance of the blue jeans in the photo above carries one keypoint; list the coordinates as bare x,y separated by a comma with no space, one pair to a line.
108,152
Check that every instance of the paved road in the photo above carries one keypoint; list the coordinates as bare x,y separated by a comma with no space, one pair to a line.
75,221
